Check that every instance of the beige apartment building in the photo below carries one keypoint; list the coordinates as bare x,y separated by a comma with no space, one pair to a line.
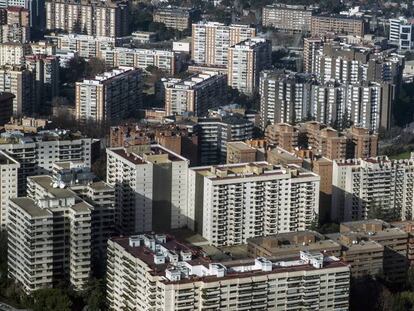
96,18
283,135
12,53
295,18
145,271
240,152
110,97
173,17
211,41
8,182
338,24
196,94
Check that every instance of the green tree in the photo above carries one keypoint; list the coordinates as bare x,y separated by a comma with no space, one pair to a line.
95,295
50,299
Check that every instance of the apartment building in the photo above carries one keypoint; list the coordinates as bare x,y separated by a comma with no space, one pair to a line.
96,18
40,253
295,18
6,107
109,97
180,140
196,94
311,47
240,152
86,46
283,135
150,185
12,53
16,15
19,82
174,276
245,62
211,41
173,17
45,71
230,203
284,96
8,173
374,186
141,58
289,244
408,227
36,153
338,24
14,33
394,241
26,125
402,33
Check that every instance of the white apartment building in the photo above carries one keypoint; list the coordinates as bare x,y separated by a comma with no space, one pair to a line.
284,96
296,18
37,153
229,204
245,62
196,94
147,272
8,183
141,58
14,33
402,33
111,96
86,46
49,237
150,185
211,40
13,53
371,187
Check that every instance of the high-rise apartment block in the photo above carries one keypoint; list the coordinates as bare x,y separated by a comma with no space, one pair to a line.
13,53
311,47
109,97
245,62
230,203
338,24
141,58
18,81
402,33
86,46
49,237
211,41
14,33
148,270
6,107
150,186
282,135
36,153
372,187
173,17
240,152
9,172
96,18
296,18
196,94
45,71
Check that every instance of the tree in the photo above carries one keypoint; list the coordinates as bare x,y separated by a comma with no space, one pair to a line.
50,299
74,71
94,67
95,295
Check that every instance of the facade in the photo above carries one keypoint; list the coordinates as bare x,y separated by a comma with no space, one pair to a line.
18,81
211,41
173,17
36,223
9,168
375,186
106,19
338,24
282,135
13,53
402,33
311,47
393,239
14,33
141,58
229,204
36,153
109,97
45,72
183,279
86,46
240,152
287,17
195,94
245,62
150,187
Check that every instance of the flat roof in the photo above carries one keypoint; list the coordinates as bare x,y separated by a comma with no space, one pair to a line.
29,206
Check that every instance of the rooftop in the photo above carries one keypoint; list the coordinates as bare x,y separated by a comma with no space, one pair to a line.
30,207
